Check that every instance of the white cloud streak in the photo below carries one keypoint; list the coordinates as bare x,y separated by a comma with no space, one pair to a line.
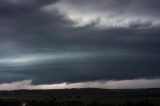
121,84
40,58
102,14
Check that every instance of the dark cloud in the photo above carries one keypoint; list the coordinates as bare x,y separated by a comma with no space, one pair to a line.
46,47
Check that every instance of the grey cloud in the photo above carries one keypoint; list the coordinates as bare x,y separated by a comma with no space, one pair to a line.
108,13
112,53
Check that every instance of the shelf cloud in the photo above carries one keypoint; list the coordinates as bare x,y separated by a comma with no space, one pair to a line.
79,42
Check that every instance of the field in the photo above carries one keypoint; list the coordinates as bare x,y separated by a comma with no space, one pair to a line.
81,97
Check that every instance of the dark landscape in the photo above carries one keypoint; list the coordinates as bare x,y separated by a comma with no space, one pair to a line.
81,97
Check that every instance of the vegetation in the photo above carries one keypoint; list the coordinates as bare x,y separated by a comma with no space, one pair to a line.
81,97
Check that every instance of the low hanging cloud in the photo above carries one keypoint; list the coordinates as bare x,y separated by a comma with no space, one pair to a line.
122,84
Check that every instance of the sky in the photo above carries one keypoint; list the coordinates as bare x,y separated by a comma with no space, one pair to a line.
56,44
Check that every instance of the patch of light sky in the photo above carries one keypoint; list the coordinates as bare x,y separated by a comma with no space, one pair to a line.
121,84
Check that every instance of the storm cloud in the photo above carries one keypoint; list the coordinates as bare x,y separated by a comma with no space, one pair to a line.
72,41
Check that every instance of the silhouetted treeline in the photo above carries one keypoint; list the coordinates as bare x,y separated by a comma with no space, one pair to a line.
14,102
89,91
81,97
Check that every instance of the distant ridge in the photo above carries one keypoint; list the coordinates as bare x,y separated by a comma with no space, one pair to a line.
85,91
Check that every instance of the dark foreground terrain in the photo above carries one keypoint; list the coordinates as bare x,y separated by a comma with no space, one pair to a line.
81,97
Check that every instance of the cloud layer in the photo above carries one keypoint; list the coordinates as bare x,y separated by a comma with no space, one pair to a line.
122,84
108,13
57,41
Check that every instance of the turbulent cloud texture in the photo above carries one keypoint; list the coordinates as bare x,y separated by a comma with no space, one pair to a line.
72,41
108,13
